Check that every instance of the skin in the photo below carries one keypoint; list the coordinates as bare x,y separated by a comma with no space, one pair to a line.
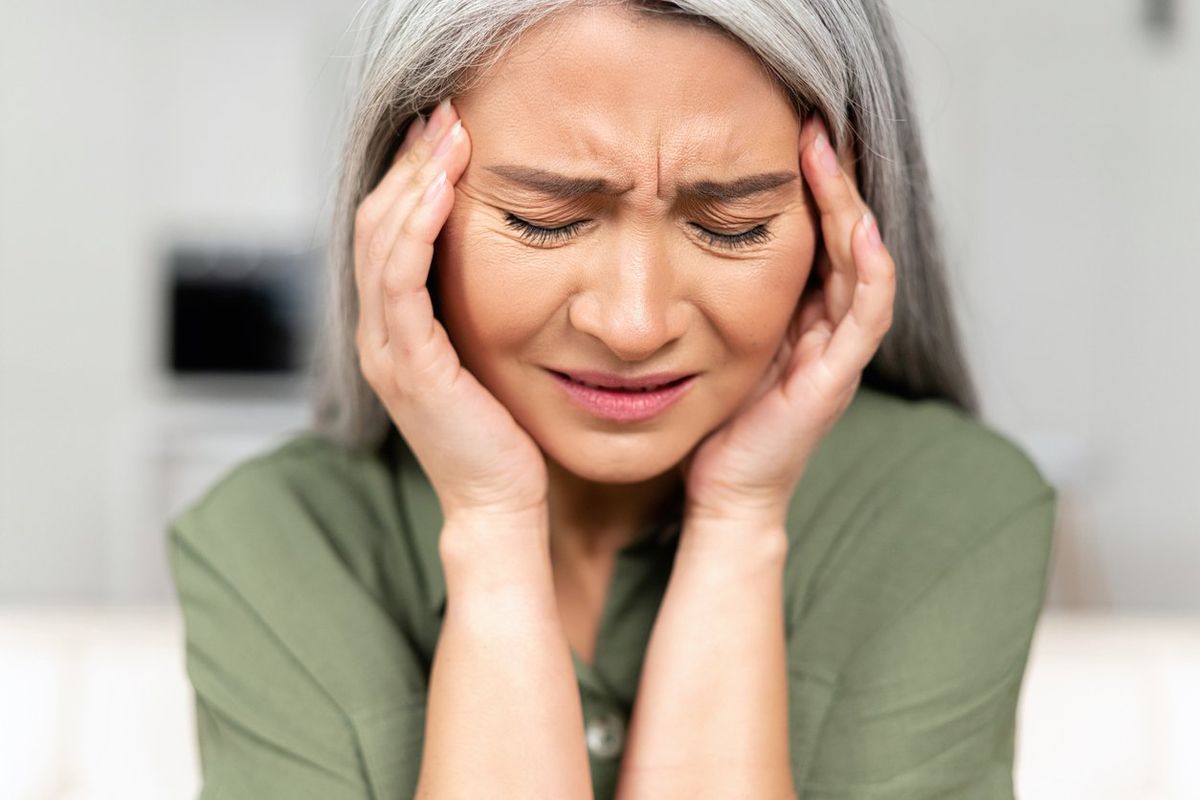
637,288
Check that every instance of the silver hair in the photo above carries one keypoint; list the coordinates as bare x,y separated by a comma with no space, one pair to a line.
838,57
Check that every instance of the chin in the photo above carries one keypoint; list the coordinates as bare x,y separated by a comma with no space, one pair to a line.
607,458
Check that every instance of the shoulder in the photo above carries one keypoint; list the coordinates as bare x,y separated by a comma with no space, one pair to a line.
918,576
304,539
900,494
938,437
304,510
305,503
304,474
925,461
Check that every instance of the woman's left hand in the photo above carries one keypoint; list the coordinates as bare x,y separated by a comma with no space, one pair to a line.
745,471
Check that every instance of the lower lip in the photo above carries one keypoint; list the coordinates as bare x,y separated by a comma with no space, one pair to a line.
623,406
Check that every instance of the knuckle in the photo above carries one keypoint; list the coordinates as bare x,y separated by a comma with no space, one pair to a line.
367,365
394,284
887,278
379,246
885,324
412,229
415,155
368,213
361,342
425,175
376,369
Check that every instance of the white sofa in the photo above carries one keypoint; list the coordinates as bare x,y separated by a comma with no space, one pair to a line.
95,704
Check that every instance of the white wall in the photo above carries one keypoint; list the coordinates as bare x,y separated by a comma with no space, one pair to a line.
125,124
1061,140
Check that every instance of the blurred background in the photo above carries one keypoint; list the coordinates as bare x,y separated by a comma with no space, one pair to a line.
166,177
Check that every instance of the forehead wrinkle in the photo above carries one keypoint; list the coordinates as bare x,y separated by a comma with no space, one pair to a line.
552,184
548,183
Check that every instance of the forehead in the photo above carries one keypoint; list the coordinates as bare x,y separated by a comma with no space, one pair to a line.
627,93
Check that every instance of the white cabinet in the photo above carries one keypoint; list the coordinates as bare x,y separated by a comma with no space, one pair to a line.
172,450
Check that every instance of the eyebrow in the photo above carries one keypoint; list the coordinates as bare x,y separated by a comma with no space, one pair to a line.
567,187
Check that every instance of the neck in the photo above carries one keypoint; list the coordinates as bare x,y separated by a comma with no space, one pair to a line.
589,519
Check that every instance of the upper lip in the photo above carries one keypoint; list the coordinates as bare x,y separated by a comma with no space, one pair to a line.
611,381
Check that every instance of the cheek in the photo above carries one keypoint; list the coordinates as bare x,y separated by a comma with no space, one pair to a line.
753,313
489,298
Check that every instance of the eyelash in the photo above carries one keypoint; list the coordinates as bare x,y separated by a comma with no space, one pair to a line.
542,236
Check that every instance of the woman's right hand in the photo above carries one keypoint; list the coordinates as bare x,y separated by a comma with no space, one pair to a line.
482,465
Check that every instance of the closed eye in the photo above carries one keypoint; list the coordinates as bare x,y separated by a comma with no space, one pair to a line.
536,234
539,235
756,235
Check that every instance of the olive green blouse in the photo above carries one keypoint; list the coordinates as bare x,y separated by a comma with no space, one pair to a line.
312,595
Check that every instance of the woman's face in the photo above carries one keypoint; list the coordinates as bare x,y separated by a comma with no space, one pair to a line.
664,113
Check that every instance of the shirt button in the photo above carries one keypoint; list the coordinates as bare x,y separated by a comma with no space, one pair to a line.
605,735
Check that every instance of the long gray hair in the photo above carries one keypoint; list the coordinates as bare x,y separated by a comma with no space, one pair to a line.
838,57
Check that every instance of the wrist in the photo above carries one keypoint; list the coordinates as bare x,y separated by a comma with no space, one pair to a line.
502,519
717,540
765,511
490,556
476,533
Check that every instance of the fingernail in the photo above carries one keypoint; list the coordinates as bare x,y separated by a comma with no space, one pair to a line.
825,155
437,120
448,140
872,230
820,125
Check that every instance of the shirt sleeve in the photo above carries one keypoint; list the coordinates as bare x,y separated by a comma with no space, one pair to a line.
265,728
926,706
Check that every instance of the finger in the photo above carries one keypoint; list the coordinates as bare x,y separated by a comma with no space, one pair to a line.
812,308
444,154
859,333
809,349
414,128
418,216
839,206
419,142
367,264
417,146
375,247
370,313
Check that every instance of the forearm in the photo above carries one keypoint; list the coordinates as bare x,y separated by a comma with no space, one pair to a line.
710,719
503,717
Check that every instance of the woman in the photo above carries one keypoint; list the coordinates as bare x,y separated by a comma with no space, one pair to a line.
643,466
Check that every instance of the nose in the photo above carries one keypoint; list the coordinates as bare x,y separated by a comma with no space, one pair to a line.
630,302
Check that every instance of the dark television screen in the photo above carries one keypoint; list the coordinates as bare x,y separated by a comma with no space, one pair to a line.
237,311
